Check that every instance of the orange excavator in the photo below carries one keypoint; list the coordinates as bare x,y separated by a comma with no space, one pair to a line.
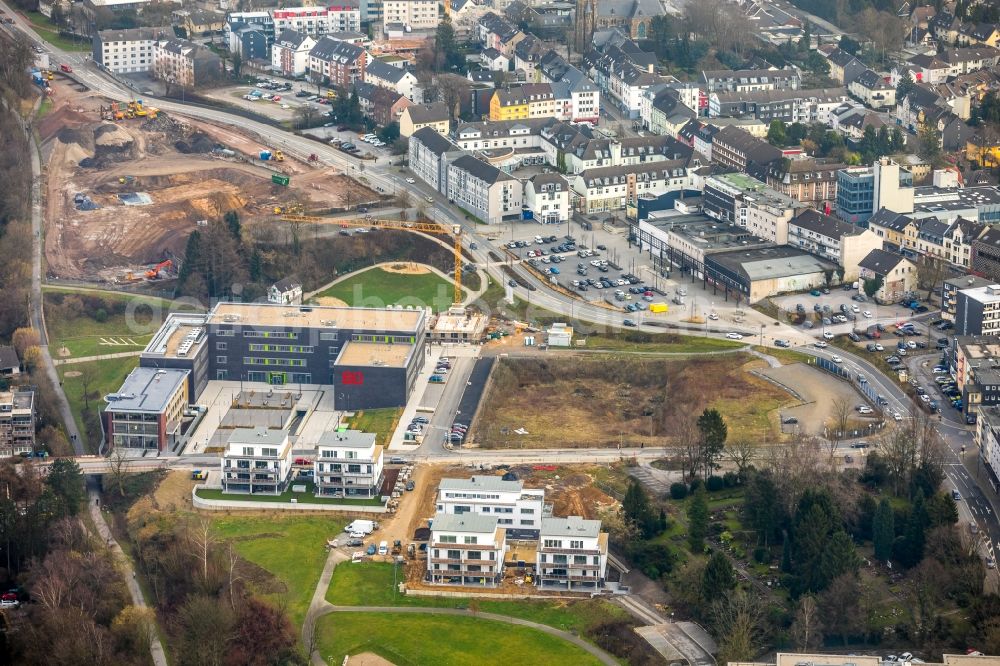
154,272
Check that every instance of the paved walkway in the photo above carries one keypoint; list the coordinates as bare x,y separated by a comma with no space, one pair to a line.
155,647
320,607
99,357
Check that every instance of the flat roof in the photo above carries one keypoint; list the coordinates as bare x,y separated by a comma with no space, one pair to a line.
487,483
258,436
181,336
988,294
463,323
794,658
375,353
573,526
740,181
350,439
771,262
464,522
316,316
704,232
969,281
19,399
147,390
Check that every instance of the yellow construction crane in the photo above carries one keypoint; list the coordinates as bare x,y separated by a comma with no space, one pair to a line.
422,227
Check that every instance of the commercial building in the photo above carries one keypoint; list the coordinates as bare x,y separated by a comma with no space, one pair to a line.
832,239
950,288
752,275
370,356
411,14
466,549
547,197
348,463
616,187
17,421
256,461
517,509
572,554
127,51
146,412
807,180
977,311
490,194
318,21
898,275
863,190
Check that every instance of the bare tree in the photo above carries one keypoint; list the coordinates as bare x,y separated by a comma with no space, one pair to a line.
403,199
88,375
689,441
232,559
930,272
119,464
740,452
738,620
807,628
450,89
200,534
841,417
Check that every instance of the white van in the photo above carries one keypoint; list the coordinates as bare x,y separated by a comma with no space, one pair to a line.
363,527
383,548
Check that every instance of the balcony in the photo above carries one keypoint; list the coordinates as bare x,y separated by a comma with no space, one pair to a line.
569,551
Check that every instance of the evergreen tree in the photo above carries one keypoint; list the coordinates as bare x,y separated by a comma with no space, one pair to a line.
192,255
256,266
914,540
812,533
718,578
776,134
713,437
232,220
883,530
786,555
635,505
941,510
805,43
698,520
838,558
904,86
762,507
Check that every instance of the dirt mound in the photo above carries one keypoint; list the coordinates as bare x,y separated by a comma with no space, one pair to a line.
164,123
112,136
62,117
198,142
82,137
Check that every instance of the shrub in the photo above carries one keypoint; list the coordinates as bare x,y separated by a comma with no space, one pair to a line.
678,491
715,483
761,555
695,484
731,479
101,315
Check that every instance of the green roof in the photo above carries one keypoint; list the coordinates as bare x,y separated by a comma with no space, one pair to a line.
741,181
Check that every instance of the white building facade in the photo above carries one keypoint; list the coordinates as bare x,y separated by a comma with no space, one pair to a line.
515,507
466,549
348,464
257,461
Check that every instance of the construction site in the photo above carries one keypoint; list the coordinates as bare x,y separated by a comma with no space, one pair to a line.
127,184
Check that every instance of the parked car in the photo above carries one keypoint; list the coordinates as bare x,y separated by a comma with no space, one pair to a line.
734,336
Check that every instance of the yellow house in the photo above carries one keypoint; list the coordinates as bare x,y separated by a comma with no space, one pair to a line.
894,228
508,105
418,116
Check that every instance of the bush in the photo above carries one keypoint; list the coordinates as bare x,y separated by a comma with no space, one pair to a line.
761,555
715,483
695,484
101,315
678,491
654,560
731,479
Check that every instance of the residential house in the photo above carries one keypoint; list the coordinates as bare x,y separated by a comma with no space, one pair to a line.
317,21
832,239
258,20
493,60
146,412
667,114
429,156
547,197
519,510
977,310
10,364
466,549
382,105
490,194
623,71
925,68
286,291
435,116
613,188
984,34
897,230
257,461
750,80
950,288
185,63
337,63
736,148
290,53
873,90
964,60
844,67
411,14
199,22
528,55
808,180
127,51
348,464
897,274
17,421
531,100
923,104
851,119
572,554
790,106
394,78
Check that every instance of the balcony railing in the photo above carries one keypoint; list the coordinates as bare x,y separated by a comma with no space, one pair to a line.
570,551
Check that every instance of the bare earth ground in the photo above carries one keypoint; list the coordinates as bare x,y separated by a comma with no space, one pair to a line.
175,490
819,392
185,187
368,659
409,268
328,300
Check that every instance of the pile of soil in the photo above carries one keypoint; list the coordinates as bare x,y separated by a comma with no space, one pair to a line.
198,142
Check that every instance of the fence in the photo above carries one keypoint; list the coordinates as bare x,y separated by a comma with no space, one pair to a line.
868,390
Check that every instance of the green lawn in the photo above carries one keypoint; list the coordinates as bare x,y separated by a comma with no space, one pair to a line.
106,377
371,584
304,498
406,639
44,108
50,33
128,322
292,548
378,288
382,422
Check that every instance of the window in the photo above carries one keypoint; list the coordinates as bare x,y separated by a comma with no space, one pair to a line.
448,538
221,374
454,554
221,360
552,543
471,539
221,346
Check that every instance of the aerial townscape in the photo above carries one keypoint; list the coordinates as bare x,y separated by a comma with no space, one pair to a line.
513,332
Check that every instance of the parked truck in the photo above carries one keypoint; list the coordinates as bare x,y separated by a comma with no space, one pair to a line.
364,527
658,307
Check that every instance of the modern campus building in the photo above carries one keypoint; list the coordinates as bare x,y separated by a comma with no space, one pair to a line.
370,356
348,463
518,510
147,410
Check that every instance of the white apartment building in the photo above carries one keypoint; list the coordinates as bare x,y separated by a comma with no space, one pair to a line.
256,461
515,508
413,14
17,422
613,188
547,196
348,464
394,78
126,51
466,549
766,213
317,21
483,190
290,52
833,239
572,554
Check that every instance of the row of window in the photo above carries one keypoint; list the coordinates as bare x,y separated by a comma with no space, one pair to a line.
254,360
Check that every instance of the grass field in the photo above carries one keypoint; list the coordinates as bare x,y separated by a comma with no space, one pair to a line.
370,584
378,288
406,639
292,548
303,498
72,321
50,33
382,422
106,377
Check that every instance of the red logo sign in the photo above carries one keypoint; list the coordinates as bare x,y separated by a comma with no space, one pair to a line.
349,378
